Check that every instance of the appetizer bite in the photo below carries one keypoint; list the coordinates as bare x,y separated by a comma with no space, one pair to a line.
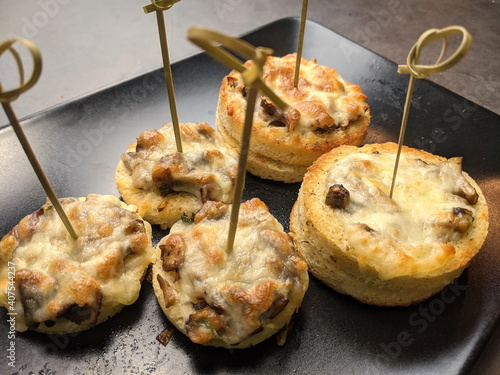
383,251
325,111
232,299
64,285
165,184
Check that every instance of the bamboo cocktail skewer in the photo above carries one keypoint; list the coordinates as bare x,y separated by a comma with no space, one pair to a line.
300,45
159,6
415,70
252,76
210,40
6,97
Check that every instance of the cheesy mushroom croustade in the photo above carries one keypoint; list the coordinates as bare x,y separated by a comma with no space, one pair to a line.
62,285
386,251
325,111
165,184
235,299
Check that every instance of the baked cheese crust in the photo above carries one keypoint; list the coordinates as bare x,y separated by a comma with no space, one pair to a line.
165,184
325,111
64,285
235,299
386,251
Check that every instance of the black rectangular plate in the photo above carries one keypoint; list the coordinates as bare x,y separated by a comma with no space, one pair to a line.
79,144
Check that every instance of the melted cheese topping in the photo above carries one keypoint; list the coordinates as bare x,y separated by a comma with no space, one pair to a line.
417,223
58,277
205,157
245,288
324,112
323,99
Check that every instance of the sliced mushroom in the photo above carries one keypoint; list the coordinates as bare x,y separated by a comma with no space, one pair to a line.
238,85
172,252
278,305
268,106
82,300
174,174
162,178
166,335
325,129
445,225
200,305
202,326
324,123
134,226
85,314
210,190
148,138
35,288
462,187
277,123
162,173
24,231
206,132
275,115
169,295
466,190
463,219
211,211
337,196
233,82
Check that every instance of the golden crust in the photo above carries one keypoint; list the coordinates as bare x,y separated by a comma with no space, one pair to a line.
231,300
326,112
63,285
265,167
166,209
359,260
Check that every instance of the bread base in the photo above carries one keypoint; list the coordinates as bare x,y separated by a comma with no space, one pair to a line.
333,268
264,167
283,153
293,278
319,238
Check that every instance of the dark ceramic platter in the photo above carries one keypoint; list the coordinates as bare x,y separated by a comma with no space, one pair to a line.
79,144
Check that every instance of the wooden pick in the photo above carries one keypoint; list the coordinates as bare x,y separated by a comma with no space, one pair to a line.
159,6
252,76
6,97
415,70
300,45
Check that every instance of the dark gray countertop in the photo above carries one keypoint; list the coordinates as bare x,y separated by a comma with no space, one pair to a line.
88,45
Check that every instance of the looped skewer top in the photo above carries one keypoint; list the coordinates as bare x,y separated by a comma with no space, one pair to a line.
13,94
159,5
416,71
421,71
211,41
251,76
8,96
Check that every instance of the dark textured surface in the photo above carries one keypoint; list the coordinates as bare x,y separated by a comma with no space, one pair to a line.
79,145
